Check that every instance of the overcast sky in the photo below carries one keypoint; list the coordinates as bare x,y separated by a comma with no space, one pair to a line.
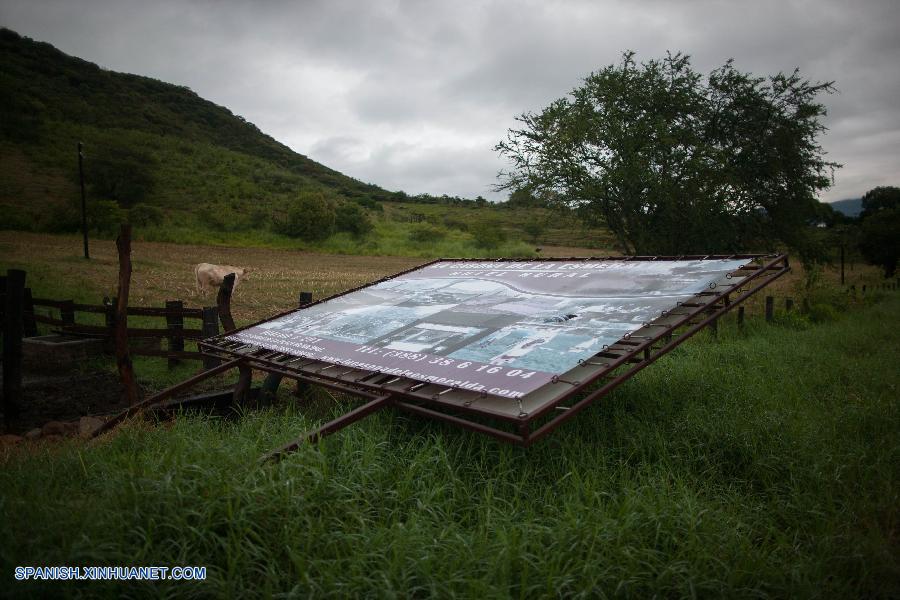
414,95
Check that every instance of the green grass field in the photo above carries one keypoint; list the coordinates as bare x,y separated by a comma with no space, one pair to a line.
759,464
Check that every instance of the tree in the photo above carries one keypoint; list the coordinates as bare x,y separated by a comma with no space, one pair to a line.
523,198
310,217
675,163
880,228
880,198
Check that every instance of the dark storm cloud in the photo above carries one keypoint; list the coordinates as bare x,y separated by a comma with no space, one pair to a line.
413,95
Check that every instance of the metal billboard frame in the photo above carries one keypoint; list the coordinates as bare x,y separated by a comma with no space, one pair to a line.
519,421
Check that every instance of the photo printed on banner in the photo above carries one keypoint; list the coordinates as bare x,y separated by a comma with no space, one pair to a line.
503,328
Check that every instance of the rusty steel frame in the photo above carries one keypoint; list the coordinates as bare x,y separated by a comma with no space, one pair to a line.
621,361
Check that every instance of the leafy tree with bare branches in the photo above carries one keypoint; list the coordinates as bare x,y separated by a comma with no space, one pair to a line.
677,163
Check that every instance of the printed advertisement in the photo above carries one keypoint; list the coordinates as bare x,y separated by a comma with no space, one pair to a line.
503,328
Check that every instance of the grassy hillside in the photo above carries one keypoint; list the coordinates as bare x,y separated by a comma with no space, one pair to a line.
186,170
42,88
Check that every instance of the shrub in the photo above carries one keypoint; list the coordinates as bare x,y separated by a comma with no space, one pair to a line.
451,223
258,218
144,215
15,218
120,172
534,228
423,233
310,217
104,217
488,234
823,313
369,204
353,219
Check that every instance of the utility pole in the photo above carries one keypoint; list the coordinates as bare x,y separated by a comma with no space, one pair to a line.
84,232
842,262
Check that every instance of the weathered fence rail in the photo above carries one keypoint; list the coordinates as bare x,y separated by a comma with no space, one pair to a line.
174,331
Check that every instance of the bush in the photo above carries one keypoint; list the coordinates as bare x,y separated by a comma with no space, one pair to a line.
534,228
310,217
823,313
451,223
15,218
144,215
61,218
120,172
353,219
488,234
258,218
424,233
369,204
105,217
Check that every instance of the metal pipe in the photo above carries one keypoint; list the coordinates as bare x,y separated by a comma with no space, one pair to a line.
315,435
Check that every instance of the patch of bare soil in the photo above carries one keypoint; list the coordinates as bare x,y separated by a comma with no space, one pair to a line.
66,397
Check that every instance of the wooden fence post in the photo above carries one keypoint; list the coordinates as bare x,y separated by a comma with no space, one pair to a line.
223,302
175,323
242,387
770,308
13,326
223,305
109,317
123,358
67,312
29,323
2,300
210,328
740,316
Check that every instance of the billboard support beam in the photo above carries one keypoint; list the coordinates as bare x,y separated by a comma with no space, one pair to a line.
311,437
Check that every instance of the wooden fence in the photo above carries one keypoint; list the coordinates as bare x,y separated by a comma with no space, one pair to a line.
63,316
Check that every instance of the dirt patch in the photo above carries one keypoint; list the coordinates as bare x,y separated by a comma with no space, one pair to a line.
66,398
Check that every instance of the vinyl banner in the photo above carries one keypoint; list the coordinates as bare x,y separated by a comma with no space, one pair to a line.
503,328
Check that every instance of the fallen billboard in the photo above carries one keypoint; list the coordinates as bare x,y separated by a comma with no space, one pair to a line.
502,328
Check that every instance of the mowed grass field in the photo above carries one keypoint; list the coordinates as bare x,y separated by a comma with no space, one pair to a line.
761,463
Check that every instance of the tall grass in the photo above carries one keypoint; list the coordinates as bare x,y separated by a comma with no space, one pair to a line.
763,463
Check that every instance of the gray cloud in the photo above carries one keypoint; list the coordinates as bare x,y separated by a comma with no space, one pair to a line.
413,95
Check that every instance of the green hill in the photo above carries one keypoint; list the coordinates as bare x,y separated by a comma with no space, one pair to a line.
182,168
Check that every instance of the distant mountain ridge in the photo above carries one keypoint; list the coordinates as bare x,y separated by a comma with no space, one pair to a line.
850,206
